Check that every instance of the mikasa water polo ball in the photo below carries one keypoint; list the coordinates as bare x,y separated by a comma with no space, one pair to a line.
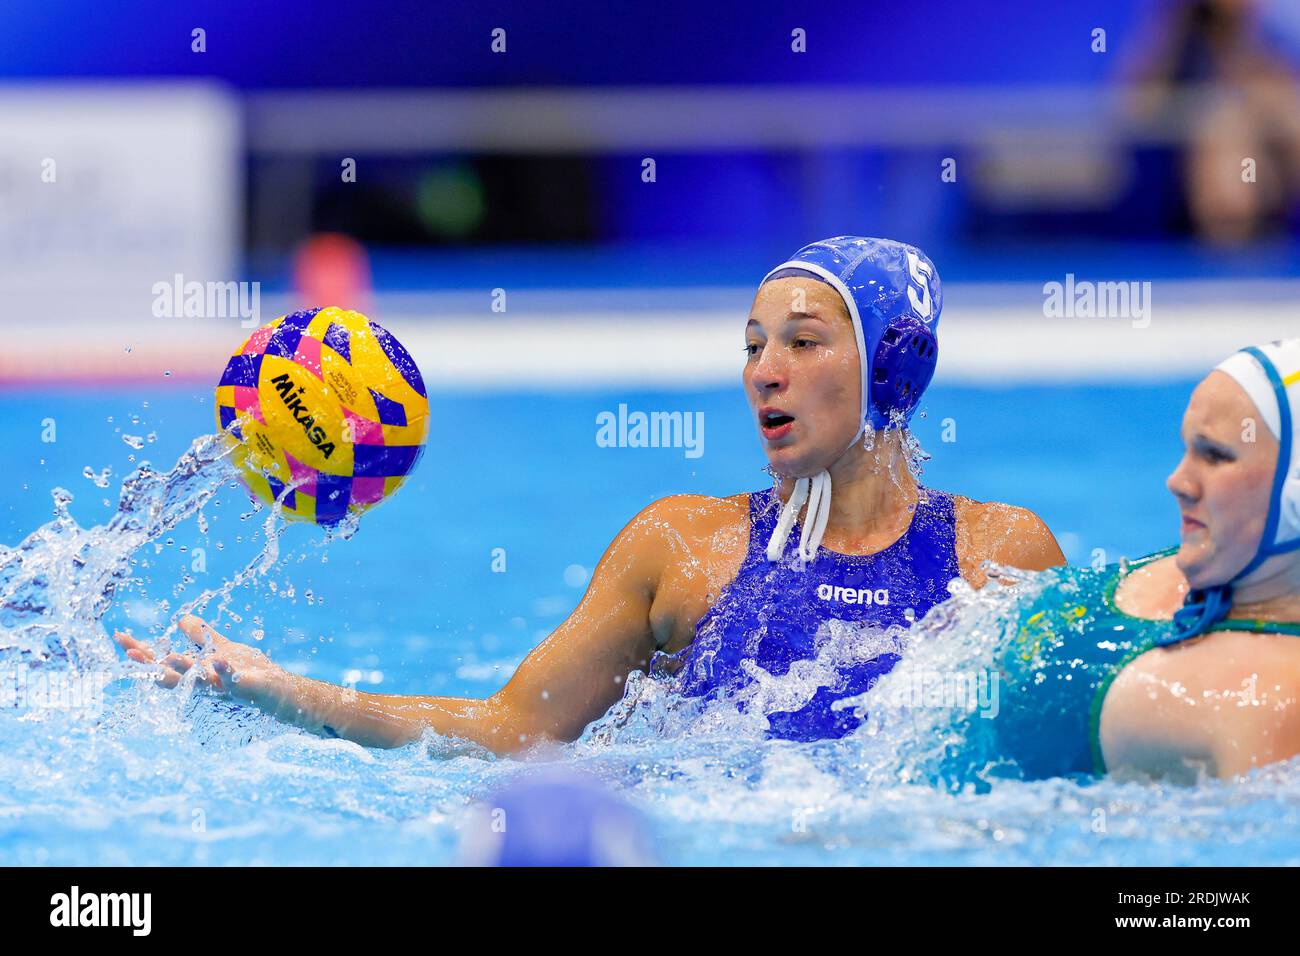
328,402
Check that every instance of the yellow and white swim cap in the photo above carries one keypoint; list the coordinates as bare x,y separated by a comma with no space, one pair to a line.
1270,376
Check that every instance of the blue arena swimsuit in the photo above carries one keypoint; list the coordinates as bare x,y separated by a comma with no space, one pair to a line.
770,614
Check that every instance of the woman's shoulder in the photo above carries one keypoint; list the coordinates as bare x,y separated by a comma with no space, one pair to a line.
1227,698
699,507
691,516
994,515
1155,588
1003,533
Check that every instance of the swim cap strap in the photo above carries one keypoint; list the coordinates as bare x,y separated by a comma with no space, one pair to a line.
816,491
819,511
789,511
1201,610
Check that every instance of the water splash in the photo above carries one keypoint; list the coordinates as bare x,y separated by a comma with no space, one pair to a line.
57,584
100,478
962,635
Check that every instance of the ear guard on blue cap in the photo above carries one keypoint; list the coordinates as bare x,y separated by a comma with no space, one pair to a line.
893,295
901,370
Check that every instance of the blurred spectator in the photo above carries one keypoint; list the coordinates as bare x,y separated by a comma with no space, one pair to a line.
1214,78
332,269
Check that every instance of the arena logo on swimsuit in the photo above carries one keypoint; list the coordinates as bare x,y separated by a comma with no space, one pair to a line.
843,595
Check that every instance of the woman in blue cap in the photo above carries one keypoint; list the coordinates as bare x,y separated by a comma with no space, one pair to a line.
840,345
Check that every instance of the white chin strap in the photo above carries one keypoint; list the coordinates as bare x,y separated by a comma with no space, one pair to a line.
817,492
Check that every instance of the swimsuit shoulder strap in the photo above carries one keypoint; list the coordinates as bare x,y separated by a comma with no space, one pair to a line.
764,510
931,538
1150,558
936,511
1117,572
940,503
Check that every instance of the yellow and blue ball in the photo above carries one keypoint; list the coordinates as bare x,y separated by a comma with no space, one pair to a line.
328,402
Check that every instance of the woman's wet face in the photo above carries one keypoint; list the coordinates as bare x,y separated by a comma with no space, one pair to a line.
802,375
1223,482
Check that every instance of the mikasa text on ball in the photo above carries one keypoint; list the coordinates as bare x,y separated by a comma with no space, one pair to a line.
327,401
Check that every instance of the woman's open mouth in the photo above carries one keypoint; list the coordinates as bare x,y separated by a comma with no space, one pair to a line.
774,423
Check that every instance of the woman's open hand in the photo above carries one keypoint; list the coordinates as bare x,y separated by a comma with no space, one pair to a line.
225,666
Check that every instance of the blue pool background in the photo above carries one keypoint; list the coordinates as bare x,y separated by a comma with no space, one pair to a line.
410,604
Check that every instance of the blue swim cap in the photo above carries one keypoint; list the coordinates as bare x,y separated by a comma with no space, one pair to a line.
892,292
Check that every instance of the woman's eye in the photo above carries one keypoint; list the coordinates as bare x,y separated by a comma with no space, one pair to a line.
751,349
800,343
1215,456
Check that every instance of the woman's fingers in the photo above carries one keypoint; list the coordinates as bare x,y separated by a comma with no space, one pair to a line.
202,674
175,665
209,677
179,662
198,630
220,672
204,670
135,649
142,653
139,652
202,633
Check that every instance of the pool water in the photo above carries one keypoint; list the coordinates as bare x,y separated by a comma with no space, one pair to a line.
417,601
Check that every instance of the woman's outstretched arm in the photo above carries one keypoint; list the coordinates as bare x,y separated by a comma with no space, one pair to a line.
566,682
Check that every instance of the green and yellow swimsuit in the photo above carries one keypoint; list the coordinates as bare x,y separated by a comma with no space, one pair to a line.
1071,644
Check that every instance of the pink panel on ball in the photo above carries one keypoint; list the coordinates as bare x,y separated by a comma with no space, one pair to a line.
308,354
366,491
303,476
364,431
248,402
256,343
